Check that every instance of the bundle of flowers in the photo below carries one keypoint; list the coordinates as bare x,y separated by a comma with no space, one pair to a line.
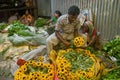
33,70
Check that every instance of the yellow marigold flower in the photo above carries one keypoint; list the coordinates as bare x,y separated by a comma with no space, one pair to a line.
62,70
50,71
59,58
32,73
61,52
93,59
69,50
50,67
43,76
32,62
79,41
42,64
63,78
16,78
38,74
83,73
90,74
50,78
41,58
79,50
24,68
24,77
31,77
20,70
51,74
71,76
88,53
76,77
46,65
38,63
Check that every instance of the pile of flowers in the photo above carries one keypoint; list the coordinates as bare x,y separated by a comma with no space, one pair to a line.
76,64
33,70
73,64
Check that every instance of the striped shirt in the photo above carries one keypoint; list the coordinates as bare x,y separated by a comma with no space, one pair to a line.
66,28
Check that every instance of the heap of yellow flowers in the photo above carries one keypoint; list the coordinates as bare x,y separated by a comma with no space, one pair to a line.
64,66
68,61
33,70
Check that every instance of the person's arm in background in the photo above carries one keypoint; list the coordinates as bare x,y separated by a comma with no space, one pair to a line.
93,37
49,21
23,17
77,32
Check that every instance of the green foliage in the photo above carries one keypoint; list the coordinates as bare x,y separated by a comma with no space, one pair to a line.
78,61
112,75
16,27
25,33
40,22
113,48
3,26
33,69
91,49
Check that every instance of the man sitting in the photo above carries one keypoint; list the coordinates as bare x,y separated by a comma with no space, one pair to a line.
66,28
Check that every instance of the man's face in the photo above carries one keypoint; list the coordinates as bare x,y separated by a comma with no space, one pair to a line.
72,18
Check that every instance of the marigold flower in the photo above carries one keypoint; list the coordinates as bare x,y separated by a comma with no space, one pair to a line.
79,41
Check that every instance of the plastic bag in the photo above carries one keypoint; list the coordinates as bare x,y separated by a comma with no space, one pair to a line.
5,73
38,39
40,51
17,40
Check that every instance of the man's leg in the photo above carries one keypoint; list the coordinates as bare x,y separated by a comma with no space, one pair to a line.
51,41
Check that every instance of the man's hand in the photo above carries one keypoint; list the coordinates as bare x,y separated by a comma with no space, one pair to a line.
66,43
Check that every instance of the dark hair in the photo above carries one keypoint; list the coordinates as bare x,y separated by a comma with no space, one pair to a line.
74,10
58,12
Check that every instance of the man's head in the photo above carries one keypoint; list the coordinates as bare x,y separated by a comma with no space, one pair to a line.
73,12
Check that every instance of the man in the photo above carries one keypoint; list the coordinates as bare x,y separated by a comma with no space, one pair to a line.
67,27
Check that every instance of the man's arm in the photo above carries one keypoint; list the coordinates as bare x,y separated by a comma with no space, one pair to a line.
58,27
75,32
66,43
